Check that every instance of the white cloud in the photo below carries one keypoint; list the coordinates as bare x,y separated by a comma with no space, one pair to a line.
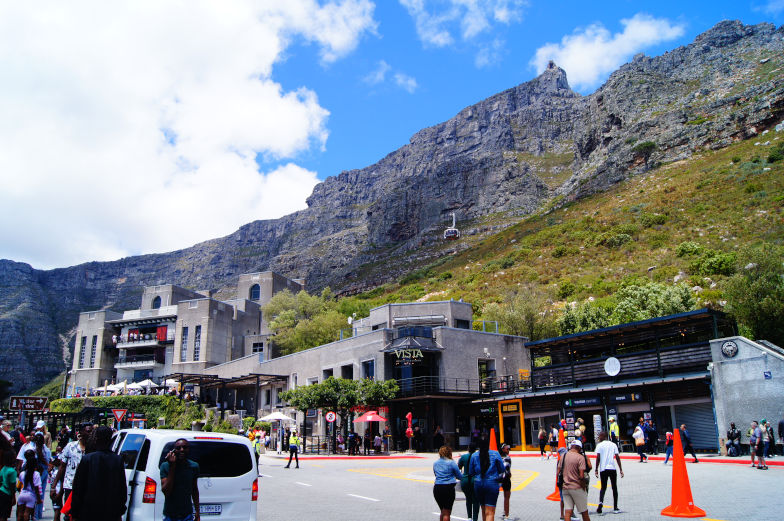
588,55
135,127
406,82
772,7
489,54
379,74
438,21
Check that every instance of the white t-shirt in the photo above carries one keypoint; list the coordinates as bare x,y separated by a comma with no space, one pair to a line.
607,451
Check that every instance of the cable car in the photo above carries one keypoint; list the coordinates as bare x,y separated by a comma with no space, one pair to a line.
452,233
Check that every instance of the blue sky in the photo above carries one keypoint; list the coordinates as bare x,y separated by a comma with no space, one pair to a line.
142,127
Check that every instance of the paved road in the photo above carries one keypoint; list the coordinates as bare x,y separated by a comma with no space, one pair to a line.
391,489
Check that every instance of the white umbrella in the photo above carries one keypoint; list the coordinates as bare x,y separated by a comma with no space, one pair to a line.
135,386
114,387
279,416
148,383
171,383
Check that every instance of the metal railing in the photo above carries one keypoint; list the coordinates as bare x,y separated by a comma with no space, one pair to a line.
422,385
139,360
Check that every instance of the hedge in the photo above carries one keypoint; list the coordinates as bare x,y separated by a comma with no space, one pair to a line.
179,414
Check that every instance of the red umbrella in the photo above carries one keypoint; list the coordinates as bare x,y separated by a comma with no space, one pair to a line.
370,416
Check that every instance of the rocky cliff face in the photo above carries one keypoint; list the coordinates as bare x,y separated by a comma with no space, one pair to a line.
509,153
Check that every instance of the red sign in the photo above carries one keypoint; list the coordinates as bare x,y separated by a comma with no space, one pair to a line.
330,416
362,409
29,403
119,414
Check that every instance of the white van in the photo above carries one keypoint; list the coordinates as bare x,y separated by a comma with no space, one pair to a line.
228,480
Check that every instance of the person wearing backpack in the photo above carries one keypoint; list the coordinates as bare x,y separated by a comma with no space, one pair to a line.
753,442
733,441
573,477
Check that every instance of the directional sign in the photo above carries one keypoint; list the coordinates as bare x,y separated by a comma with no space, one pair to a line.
330,416
29,403
118,414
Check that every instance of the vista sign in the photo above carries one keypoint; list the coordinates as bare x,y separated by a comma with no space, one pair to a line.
408,356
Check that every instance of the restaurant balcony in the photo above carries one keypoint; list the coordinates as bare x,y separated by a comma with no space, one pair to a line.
437,385
148,361
145,340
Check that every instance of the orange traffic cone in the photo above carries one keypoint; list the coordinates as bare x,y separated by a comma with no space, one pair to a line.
556,495
493,443
682,501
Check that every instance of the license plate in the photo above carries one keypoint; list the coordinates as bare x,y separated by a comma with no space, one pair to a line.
210,510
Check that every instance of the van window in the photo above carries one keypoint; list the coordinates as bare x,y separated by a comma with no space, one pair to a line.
216,459
130,451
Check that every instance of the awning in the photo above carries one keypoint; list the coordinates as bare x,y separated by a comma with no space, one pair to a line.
425,320
607,386
412,342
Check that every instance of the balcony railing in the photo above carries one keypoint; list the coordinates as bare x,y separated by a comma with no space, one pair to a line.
424,385
149,313
146,339
139,360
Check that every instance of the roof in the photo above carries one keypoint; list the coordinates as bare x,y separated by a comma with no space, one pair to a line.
188,435
704,312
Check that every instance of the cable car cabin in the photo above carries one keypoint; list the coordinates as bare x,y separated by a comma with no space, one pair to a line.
451,234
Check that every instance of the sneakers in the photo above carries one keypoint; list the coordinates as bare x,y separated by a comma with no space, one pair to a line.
695,460
599,509
616,510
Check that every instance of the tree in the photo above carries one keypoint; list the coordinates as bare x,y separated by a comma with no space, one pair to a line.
526,313
755,294
585,316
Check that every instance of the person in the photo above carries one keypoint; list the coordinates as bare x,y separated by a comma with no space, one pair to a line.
686,439
668,445
446,472
653,438
770,441
607,457
99,488
43,456
753,442
341,444
377,444
70,458
63,436
467,484
385,438
8,478
438,437
506,482
574,467
561,453
40,426
294,442
6,442
542,443
486,468
29,481
257,446
615,431
760,433
179,483
733,440
366,442
553,441
781,431
639,442
54,466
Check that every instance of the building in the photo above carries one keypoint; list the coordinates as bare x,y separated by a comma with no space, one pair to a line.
657,369
175,330
440,363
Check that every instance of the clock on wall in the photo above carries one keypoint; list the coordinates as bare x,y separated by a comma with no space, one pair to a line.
729,348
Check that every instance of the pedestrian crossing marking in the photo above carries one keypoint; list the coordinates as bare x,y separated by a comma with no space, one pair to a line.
520,478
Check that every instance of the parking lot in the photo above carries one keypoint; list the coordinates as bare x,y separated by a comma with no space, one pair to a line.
401,489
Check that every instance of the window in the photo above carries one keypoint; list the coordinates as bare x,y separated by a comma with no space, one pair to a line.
216,459
92,351
312,381
486,369
347,372
193,304
267,396
184,345
369,369
462,324
81,352
131,449
197,344
255,292
326,373
293,381
258,347
156,303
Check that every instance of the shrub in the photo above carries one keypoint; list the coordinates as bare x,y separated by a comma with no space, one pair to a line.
559,251
776,155
645,148
688,248
613,240
566,289
652,219
736,159
712,262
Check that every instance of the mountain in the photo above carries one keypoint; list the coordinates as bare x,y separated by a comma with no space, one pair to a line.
537,145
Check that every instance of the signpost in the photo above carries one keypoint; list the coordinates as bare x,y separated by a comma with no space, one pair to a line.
118,415
330,416
28,403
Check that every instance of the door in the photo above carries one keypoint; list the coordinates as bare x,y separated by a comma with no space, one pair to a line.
134,451
699,421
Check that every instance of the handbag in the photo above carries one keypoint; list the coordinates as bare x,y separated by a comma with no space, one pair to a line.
587,473
639,442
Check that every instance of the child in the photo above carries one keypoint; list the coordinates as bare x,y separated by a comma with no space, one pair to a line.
29,481
54,466
7,485
668,447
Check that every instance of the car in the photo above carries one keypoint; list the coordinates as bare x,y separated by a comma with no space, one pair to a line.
228,480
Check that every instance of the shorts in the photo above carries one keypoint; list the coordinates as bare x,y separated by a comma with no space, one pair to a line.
5,505
760,450
444,495
575,499
486,492
26,499
506,484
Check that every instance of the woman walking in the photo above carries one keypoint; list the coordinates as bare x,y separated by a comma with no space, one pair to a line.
446,472
43,456
7,485
487,469
553,442
467,483
639,442
542,443
506,482
32,493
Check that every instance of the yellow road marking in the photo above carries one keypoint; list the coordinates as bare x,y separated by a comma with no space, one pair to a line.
525,483
520,479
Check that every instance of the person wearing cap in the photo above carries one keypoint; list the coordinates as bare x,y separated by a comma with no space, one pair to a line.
575,468
294,442
40,426
615,431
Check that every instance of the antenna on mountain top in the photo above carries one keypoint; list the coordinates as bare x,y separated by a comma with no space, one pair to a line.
452,233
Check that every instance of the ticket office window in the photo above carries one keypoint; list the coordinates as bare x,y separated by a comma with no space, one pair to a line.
511,416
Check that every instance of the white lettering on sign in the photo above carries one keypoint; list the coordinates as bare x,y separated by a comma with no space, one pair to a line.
409,353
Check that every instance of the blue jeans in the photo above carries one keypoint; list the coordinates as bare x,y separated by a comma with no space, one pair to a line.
39,507
486,491
667,454
189,517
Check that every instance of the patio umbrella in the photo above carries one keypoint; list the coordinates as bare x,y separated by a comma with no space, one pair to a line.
148,383
135,386
370,416
276,416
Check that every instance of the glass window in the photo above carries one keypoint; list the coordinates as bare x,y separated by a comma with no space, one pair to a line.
184,345
130,451
255,292
462,324
258,347
197,344
81,352
92,350
216,459
156,303
369,369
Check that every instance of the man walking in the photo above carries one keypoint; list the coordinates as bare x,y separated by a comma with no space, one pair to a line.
573,469
99,489
781,432
686,439
70,458
293,448
179,483
257,446
753,442
606,459
615,431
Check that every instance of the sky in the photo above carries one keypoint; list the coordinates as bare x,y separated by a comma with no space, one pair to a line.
148,126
